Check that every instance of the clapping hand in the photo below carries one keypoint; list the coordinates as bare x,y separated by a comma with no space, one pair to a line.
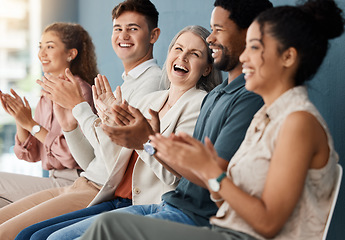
19,109
185,152
133,132
104,99
63,90
65,118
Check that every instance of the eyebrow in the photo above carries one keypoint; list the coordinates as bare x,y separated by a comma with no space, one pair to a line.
255,39
129,25
217,25
47,42
194,49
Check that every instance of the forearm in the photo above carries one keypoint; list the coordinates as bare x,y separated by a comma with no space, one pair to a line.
251,208
86,119
28,149
80,148
22,133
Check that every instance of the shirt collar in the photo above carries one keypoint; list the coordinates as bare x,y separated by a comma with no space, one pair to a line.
276,109
233,86
140,69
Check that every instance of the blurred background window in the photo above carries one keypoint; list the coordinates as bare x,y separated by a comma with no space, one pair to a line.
20,30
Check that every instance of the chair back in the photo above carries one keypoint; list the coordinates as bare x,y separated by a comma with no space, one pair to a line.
334,199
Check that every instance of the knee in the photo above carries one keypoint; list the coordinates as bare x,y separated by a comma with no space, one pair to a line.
106,217
24,234
104,220
58,235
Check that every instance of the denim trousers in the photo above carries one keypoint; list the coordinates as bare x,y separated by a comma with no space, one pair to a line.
159,211
43,229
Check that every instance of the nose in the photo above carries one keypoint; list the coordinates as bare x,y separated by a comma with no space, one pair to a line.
124,34
41,52
183,57
210,38
243,56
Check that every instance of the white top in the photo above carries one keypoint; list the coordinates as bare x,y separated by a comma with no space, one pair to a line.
141,80
84,141
249,166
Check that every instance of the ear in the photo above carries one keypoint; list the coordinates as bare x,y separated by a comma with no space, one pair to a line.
207,70
289,57
73,53
155,35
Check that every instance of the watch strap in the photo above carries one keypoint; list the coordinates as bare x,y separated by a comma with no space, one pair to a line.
221,177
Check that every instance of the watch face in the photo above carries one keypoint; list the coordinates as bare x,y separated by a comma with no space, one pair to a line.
35,129
214,184
149,148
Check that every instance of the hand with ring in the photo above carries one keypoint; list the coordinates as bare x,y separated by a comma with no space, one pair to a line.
102,91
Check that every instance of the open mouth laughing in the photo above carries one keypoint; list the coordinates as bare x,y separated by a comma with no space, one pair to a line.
180,68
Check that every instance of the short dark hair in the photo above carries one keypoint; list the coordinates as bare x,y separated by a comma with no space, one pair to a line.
243,12
307,28
144,7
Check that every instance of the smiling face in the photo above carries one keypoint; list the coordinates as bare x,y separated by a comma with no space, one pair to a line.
52,54
187,61
226,41
131,39
266,70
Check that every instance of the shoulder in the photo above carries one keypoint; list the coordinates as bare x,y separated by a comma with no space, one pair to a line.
155,94
302,122
153,70
44,105
191,101
244,94
197,93
304,127
151,78
83,83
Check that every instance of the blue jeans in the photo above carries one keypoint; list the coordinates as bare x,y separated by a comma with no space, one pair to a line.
43,229
160,211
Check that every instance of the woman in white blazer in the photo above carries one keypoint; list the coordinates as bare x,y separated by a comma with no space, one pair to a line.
189,71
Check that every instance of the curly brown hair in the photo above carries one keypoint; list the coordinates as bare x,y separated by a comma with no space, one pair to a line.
75,36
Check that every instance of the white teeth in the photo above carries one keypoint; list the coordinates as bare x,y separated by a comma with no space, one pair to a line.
181,67
215,50
247,70
45,61
126,45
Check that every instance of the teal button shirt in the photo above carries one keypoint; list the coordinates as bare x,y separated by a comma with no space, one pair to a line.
225,115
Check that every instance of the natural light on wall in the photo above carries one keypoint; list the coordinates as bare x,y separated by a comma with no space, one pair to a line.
20,30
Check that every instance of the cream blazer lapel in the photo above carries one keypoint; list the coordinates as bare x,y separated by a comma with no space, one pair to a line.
167,125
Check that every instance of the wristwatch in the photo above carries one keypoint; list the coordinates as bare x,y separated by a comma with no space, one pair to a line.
149,148
214,183
35,129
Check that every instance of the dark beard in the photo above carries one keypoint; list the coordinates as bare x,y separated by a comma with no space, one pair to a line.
227,62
